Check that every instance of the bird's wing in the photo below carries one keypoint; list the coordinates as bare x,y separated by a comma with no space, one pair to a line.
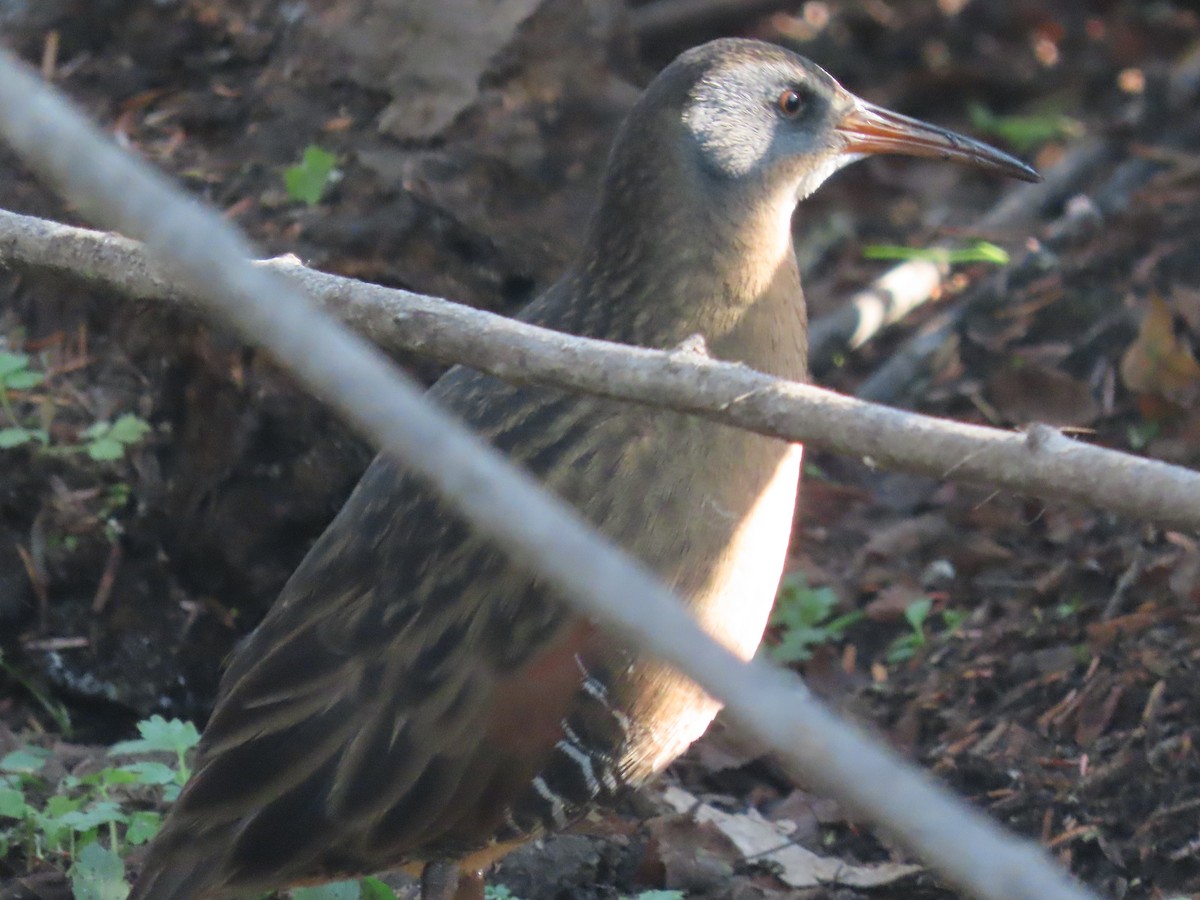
369,717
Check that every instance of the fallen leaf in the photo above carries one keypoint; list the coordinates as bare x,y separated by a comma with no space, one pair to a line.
1160,361
760,840
890,604
695,856
1032,392
906,537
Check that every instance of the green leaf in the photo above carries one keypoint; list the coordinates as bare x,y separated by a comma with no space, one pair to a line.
49,820
129,429
98,874
105,450
14,437
26,761
116,777
159,735
96,430
1139,435
374,889
102,812
12,362
60,804
803,613
150,772
13,805
338,890
917,612
799,604
953,619
143,825
308,179
978,252
902,649
23,380
1024,132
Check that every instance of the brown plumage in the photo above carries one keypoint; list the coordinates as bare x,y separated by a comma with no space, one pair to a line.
415,697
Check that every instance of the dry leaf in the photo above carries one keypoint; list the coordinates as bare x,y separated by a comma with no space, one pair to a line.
1037,393
1160,361
890,604
760,840
906,537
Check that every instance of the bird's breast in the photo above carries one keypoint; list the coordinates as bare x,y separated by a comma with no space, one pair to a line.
724,558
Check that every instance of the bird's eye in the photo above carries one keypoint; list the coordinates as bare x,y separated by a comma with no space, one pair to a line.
790,103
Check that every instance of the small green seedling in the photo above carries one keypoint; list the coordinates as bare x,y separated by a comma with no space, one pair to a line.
159,735
101,441
105,441
1140,434
308,179
804,616
336,890
15,375
905,647
98,873
87,823
374,889
1024,133
977,252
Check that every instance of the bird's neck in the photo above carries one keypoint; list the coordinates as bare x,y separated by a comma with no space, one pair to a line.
656,277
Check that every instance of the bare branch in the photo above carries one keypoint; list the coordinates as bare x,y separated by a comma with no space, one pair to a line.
540,531
1051,467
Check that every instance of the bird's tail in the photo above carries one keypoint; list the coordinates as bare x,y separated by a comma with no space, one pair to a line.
173,873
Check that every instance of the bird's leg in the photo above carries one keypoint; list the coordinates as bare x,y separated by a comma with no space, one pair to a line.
439,880
470,885
442,879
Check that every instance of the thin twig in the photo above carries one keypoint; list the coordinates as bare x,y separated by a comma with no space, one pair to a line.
1060,469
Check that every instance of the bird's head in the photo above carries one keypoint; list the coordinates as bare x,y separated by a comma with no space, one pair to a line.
756,113
739,128
707,169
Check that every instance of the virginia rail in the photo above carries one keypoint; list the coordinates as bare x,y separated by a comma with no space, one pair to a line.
416,699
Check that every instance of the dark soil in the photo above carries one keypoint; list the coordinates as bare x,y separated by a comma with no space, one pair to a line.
1056,686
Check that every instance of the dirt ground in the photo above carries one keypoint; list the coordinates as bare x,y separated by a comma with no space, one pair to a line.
1054,681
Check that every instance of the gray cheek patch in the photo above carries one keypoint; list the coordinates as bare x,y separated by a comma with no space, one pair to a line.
731,124
731,116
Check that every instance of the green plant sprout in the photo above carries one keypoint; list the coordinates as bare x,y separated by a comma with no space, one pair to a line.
977,252
1027,132
88,822
804,615
81,810
159,735
905,647
15,375
102,441
308,179
106,441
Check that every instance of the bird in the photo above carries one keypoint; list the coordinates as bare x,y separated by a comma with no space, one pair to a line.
414,699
